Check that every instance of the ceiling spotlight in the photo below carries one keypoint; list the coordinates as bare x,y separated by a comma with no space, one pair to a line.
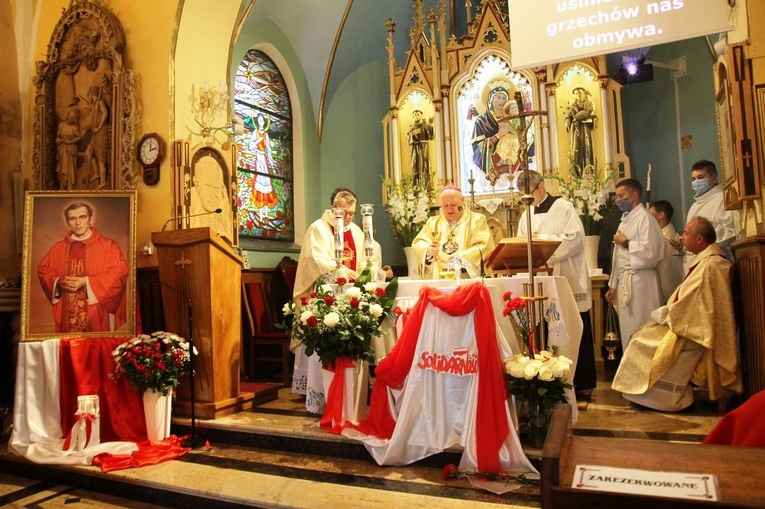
631,68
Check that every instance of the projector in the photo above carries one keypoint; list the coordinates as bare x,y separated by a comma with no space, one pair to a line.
631,73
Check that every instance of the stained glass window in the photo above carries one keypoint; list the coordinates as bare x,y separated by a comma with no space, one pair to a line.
265,172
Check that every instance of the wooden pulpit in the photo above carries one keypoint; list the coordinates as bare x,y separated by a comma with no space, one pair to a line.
510,256
197,266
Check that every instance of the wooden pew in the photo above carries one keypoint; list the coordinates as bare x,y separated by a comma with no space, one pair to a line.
739,470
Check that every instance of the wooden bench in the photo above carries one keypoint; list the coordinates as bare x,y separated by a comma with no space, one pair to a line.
739,470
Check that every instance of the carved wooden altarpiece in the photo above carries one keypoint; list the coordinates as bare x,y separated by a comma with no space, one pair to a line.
84,105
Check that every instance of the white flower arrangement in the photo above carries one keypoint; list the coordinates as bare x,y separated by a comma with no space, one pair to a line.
540,378
586,189
408,207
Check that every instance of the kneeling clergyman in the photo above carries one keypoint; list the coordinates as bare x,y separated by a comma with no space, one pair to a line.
693,338
455,232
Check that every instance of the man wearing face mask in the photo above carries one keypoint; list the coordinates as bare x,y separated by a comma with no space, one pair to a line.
456,231
709,203
638,247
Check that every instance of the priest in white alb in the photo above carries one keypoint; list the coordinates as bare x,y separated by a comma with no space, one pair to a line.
638,247
554,218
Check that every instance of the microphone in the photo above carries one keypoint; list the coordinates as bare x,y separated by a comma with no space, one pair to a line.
177,218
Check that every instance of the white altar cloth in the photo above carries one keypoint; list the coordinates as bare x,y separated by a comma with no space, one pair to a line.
561,312
442,399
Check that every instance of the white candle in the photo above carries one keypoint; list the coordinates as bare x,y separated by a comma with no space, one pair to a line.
648,179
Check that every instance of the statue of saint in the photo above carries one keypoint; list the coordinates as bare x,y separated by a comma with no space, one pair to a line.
420,133
580,121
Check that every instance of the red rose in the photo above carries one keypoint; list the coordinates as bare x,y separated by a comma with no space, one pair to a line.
140,368
380,292
341,281
156,345
354,303
311,322
304,301
507,296
352,281
314,295
449,472
329,300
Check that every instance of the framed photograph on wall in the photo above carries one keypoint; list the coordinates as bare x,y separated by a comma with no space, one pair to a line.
78,265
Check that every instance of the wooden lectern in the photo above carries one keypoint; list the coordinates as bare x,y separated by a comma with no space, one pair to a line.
197,264
511,256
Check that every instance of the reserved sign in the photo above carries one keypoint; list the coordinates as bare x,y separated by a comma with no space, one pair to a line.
646,482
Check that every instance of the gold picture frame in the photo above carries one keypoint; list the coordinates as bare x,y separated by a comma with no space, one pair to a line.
74,288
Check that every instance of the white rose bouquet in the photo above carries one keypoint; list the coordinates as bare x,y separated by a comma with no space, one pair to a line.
539,379
341,323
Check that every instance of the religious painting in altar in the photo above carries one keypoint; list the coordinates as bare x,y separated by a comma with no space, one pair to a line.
265,161
78,265
83,105
416,114
205,188
725,133
488,139
578,98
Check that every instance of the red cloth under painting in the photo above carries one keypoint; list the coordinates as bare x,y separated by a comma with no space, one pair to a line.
742,426
85,365
392,371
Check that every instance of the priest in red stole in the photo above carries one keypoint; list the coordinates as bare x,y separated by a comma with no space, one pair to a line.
84,277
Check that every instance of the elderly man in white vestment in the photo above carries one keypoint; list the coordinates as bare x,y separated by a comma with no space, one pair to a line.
638,247
709,202
553,218
692,338
317,260
670,268
456,231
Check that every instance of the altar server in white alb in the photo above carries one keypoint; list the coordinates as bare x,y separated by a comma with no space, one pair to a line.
456,231
638,248
554,218
709,202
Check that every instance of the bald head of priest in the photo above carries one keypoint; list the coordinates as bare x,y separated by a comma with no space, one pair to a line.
456,239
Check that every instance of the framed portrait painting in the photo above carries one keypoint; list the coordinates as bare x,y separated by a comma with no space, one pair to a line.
78,265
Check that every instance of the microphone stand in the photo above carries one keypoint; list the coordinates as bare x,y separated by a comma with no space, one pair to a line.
178,218
193,441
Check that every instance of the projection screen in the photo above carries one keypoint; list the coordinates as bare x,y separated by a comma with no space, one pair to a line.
548,31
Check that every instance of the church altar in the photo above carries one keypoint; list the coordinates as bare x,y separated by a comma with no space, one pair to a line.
443,384
560,310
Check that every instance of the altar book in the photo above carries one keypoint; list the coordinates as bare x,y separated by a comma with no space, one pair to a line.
511,255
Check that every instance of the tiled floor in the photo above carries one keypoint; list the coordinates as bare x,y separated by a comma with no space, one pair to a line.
276,456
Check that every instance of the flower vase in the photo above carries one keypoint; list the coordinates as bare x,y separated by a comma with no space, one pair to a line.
412,263
157,410
355,391
591,244
538,420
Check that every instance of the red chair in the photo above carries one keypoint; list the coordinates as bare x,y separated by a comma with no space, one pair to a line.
262,334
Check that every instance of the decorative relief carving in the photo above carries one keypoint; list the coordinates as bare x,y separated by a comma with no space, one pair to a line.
84,105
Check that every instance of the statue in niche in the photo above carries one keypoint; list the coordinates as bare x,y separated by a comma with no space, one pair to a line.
580,121
68,138
96,171
419,135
